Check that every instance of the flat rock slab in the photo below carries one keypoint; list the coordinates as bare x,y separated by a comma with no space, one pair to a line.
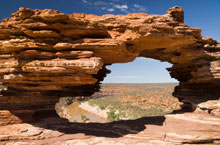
171,129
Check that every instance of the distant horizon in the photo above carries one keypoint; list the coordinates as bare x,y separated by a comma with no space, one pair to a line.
144,83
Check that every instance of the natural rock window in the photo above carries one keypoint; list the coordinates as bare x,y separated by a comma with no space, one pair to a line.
125,95
46,55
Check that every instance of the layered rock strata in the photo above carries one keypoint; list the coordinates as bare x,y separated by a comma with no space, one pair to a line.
46,55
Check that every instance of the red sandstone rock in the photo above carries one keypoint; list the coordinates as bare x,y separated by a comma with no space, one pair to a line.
46,55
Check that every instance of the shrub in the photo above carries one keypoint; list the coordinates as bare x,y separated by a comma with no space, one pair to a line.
112,116
102,107
84,118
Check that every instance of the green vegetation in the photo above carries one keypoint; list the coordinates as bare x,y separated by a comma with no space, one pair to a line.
101,106
130,101
84,118
136,101
114,116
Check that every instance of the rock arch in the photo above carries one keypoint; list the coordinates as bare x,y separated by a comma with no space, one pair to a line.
46,54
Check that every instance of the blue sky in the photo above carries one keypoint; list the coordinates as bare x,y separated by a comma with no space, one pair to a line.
204,14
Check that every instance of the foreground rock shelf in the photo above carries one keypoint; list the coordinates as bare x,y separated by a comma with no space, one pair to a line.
46,55
168,130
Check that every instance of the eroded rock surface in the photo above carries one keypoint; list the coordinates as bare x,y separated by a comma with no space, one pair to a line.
46,55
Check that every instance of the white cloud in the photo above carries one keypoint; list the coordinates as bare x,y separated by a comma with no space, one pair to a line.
138,8
85,1
121,6
110,10
114,6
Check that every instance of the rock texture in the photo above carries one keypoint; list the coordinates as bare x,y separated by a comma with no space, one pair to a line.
174,129
46,55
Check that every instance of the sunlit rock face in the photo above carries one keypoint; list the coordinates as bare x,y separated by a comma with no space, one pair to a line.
46,55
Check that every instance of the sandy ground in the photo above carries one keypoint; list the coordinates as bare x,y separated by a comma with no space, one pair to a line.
94,109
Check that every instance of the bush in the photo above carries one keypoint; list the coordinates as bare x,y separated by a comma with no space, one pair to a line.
113,116
84,118
102,107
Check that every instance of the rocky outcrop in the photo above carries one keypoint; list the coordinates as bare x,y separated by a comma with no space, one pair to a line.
173,129
46,55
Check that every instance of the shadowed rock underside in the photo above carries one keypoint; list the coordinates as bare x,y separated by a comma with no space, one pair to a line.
46,55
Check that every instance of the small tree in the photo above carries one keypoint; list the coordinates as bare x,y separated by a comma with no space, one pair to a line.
113,116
